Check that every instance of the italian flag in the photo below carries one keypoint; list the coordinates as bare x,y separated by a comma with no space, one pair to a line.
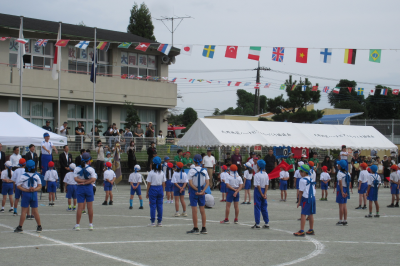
254,53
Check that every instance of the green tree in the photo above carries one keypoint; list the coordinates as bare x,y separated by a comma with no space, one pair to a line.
381,106
189,116
98,124
140,22
354,106
175,119
244,104
216,111
345,94
132,117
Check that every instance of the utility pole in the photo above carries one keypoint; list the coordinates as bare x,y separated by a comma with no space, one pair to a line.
257,90
172,30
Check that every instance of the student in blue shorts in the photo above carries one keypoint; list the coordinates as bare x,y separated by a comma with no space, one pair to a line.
394,185
85,176
15,177
297,175
109,178
283,182
135,179
179,181
374,181
29,183
363,186
247,175
198,183
234,184
222,176
155,192
343,186
169,187
307,200
8,186
51,177
324,179
70,187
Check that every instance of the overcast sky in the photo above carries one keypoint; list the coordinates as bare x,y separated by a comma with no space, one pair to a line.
287,23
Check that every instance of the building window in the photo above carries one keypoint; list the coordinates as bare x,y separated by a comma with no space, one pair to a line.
36,57
80,61
134,64
84,114
145,115
34,111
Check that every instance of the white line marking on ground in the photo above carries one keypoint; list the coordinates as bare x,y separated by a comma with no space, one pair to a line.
80,248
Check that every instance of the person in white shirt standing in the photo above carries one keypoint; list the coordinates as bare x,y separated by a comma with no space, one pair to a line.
209,164
8,186
47,148
135,179
363,186
51,178
70,187
394,185
14,158
344,154
374,181
247,175
179,181
343,191
261,183
155,192
64,129
15,177
324,178
297,175
234,184
109,178
283,183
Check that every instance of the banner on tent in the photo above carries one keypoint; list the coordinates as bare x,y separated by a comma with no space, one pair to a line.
298,152
281,152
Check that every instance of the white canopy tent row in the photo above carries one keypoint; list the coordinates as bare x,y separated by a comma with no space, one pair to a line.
221,132
17,131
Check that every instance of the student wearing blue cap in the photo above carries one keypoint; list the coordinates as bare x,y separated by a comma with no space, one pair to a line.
198,183
85,176
261,183
343,185
47,147
155,192
374,180
30,184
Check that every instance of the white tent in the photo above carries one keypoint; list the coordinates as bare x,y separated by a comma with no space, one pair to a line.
15,130
221,132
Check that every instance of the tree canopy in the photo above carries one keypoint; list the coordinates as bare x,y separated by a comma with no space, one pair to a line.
140,22
244,104
132,117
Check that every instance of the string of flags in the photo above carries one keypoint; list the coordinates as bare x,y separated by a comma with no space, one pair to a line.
208,51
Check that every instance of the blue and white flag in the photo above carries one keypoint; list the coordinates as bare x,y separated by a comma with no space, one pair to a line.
247,83
303,88
326,55
82,44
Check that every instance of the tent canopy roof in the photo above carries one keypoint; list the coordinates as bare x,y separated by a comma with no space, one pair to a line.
15,130
220,132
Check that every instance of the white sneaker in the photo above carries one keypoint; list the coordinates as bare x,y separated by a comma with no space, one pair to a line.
177,214
159,224
171,201
90,227
77,228
151,225
184,214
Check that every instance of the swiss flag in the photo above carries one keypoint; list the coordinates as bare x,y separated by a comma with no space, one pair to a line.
231,52
396,92
142,46
301,55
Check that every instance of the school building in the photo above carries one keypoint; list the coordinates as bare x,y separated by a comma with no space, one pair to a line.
152,97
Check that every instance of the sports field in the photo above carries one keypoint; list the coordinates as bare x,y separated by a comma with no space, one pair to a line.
121,236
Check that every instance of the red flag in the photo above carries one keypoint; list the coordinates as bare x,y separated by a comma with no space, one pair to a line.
314,88
124,76
395,92
275,173
142,46
237,83
350,88
231,52
62,43
301,55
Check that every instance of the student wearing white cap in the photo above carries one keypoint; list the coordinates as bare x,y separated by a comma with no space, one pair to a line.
298,177
8,186
135,179
247,175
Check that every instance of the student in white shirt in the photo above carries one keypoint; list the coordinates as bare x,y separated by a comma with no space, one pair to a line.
155,187
51,178
8,186
46,148
109,179
394,185
234,184
135,179
247,175
283,179
298,177
30,184
343,186
363,186
198,183
344,154
261,183
222,186
179,181
209,164
85,176
324,178
15,178
70,187
374,180
15,157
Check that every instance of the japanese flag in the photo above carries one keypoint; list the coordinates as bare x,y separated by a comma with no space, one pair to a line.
57,58
372,92
187,49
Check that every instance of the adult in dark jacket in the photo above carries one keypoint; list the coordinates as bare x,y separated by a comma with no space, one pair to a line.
150,152
78,158
270,161
65,159
32,155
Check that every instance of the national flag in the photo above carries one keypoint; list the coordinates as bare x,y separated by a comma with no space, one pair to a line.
231,52
349,88
103,46
237,83
173,80
267,85
200,80
21,50
124,45
187,49
209,81
395,92
336,90
278,53
350,56
360,91
142,46
41,42
191,80
93,71
132,76
22,41
375,55
4,38
57,58
304,88
301,55
257,86
325,55
208,51
247,83
124,76
283,86
61,43
372,91
314,88
326,89
148,77
293,86
229,83
82,45
384,91
164,48
254,53
139,77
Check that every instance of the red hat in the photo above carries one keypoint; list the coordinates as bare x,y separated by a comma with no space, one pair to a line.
51,164
170,165
224,167
369,170
394,167
324,168
233,167
188,152
22,161
364,165
179,165
108,164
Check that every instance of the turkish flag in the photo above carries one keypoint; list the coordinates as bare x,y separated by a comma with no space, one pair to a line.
231,52
396,92
143,46
301,55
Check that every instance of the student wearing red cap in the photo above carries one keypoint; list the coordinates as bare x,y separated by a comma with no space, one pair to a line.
394,185
51,178
363,186
324,178
109,178
234,184
15,177
169,187
222,177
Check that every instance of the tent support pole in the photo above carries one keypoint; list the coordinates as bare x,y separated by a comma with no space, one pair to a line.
219,153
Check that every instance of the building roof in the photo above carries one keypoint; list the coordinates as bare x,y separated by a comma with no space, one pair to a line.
338,119
69,30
